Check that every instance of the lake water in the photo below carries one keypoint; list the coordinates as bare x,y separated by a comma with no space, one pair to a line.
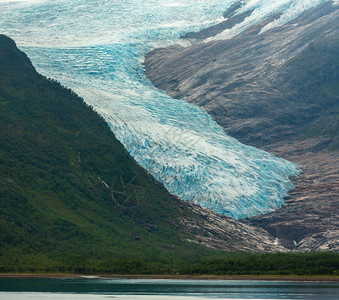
32,289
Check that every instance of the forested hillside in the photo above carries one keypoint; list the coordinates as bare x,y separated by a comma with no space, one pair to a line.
62,171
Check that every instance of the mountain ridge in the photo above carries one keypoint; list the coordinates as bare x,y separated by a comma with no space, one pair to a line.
277,91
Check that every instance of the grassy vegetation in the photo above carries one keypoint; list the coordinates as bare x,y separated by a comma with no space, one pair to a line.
58,163
282,264
267,264
55,155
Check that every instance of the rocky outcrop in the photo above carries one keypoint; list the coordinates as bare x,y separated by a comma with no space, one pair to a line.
276,90
215,231
260,88
309,220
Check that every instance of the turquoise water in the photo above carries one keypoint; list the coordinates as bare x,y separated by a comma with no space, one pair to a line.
97,47
163,289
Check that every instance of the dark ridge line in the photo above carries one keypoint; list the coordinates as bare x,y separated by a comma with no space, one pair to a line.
218,28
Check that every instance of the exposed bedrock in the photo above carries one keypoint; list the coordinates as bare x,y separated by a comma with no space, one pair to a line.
279,91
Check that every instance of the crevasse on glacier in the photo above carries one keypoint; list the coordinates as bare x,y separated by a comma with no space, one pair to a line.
97,47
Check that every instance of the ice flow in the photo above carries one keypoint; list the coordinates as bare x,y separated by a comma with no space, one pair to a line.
96,47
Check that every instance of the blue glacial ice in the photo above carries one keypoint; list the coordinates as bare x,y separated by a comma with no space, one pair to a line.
96,47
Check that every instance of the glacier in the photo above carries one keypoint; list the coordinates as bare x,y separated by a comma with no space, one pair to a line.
96,48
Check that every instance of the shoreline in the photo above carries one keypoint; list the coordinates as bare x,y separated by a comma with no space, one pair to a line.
174,277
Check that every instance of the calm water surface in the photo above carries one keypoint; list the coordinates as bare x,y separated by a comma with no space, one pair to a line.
33,289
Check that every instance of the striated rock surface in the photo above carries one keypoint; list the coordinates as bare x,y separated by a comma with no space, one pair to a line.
309,220
261,87
216,231
278,91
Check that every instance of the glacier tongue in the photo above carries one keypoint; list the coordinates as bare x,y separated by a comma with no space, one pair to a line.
198,162
182,147
97,47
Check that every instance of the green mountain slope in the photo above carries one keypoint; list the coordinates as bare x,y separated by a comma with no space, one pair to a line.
59,163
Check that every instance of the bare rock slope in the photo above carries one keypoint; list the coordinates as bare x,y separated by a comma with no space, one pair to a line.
279,91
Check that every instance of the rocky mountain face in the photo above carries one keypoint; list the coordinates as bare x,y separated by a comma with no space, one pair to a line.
219,232
279,91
